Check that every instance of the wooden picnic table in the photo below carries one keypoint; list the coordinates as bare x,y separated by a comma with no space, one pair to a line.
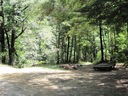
103,67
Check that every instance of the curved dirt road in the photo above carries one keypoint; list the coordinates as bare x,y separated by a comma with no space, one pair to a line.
46,82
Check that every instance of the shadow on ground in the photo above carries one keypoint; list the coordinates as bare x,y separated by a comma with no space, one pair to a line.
82,82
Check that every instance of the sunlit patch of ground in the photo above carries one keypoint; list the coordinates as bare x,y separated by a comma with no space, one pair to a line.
7,69
85,81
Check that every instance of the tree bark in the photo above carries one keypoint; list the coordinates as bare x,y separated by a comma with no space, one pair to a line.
78,50
68,49
8,43
127,34
94,48
58,46
75,48
101,41
70,56
105,47
12,49
62,50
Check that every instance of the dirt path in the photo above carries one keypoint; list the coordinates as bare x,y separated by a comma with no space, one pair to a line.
46,82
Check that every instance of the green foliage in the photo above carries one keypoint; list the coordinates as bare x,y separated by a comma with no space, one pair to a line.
3,54
65,30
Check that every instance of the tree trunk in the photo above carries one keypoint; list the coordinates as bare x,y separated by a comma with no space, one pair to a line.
12,48
9,49
85,53
67,58
2,33
75,48
78,50
70,56
94,48
105,47
2,44
65,51
62,50
127,34
101,41
58,48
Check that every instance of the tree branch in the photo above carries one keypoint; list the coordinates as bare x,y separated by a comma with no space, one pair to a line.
24,8
22,31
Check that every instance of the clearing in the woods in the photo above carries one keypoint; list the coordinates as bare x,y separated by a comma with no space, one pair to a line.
85,81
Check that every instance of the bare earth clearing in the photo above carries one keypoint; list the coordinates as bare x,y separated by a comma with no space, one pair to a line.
47,82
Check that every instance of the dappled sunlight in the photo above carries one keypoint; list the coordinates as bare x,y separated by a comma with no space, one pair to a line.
123,83
101,84
37,81
52,87
39,69
64,48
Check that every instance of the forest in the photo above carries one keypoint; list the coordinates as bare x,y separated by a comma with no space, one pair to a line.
63,31
63,47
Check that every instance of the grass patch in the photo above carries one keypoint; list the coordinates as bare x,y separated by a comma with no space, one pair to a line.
49,66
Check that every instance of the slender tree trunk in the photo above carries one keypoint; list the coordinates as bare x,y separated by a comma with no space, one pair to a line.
70,57
62,50
78,51
65,51
105,46
108,44
109,40
127,34
68,46
58,47
114,40
94,48
85,53
75,48
101,41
